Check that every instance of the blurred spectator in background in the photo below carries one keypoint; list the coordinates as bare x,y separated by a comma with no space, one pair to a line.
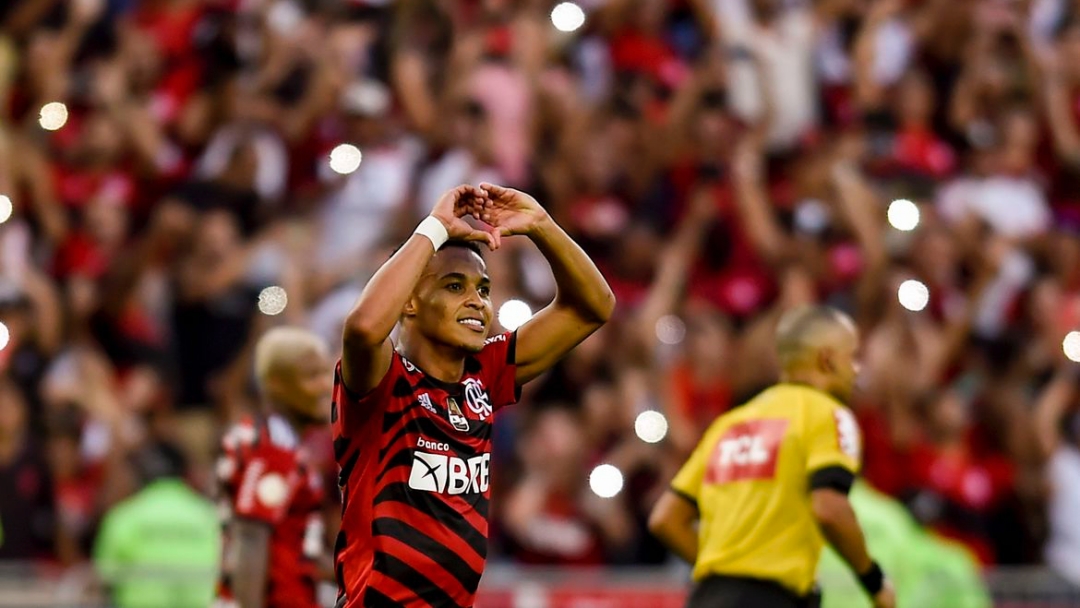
161,546
28,507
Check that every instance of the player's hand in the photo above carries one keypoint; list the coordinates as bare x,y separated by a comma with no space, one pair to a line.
886,598
455,205
511,211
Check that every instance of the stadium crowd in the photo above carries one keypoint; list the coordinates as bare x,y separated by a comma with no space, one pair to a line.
167,161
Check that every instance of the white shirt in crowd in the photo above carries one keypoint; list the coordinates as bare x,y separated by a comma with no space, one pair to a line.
787,53
356,216
1062,551
1014,207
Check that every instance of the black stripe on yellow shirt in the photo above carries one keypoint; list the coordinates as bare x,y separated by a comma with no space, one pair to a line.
835,478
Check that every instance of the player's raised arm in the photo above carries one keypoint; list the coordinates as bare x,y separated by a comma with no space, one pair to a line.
367,349
583,300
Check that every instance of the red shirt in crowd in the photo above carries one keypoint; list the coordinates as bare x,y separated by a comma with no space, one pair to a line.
699,402
972,481
568,538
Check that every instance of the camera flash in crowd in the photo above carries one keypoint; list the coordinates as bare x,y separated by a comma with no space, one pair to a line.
904,215
6,208
914,295
567,17
345,159
651,426
1071,346
53,116
606,481
670,330
5,336
513,314
273,300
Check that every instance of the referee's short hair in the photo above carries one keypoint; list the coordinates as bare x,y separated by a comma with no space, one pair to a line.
805,329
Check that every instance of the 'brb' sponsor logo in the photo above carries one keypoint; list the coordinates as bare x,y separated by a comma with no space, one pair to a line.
450,474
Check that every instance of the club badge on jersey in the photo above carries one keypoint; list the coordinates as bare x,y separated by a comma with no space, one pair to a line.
457,418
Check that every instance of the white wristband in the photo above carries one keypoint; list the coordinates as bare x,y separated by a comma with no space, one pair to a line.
434,230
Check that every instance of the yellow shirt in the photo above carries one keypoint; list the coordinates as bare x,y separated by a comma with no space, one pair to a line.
750,477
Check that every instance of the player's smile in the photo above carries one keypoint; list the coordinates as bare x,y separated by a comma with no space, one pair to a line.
475,323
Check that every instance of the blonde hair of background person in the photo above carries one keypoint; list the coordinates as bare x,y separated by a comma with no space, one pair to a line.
276,553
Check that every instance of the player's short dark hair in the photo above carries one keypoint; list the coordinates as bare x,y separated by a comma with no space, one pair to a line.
472,246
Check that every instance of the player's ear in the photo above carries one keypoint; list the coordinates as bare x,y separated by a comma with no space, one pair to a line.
825,361
410,307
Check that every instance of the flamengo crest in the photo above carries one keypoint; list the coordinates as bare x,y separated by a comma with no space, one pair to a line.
477,398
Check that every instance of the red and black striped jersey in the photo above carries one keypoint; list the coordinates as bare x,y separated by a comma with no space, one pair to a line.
414,456
263,474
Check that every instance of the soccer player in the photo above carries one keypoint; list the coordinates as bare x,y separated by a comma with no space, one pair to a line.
413,422
271,495
769,481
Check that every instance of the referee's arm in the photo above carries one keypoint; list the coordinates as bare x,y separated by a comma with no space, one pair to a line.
837,522
673,521
833,451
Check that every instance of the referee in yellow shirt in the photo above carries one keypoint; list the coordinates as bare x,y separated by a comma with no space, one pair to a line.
768,483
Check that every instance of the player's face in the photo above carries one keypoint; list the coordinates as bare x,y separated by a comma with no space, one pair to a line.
452,304
307,386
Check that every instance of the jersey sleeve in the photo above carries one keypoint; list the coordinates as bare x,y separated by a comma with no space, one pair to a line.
687,482
269,480
834,445
349,410
498,366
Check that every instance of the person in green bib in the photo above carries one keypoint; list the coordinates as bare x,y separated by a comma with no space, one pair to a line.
927,571
160,547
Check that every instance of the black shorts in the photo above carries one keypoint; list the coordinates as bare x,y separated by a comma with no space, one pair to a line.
736,592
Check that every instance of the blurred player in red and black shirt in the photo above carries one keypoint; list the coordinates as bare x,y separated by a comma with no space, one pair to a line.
274,550
413,423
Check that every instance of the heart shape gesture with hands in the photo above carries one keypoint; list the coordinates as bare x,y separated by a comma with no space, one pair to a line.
511,212
459,203
502,212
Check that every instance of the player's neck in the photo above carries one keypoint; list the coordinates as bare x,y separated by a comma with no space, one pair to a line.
805,378
297,423
441,362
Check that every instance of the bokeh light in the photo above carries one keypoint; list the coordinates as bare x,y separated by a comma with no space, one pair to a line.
273,300
6,208
567,17
903,215
670,329
345,159
514,313
54,115
651,426
913,295
5,336
1071,346
606,481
